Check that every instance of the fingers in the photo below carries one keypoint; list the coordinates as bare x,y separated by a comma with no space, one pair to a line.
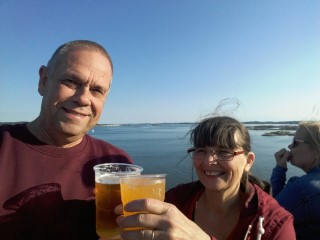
280,153
118,209
147,205
282,157
141,234
147,213
141,220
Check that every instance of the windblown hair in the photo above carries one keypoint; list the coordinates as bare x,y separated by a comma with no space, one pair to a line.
220,132
312,129
82,44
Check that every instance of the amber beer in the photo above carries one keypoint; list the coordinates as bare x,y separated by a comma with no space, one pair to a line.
107,198
143,186
107,178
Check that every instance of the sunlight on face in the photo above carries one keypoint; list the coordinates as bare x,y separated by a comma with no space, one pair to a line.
302,155
217,175
74,96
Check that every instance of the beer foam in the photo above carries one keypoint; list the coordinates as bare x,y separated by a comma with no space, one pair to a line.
114,177
108,179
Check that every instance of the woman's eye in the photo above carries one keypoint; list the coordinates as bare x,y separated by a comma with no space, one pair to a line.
225,153
200,152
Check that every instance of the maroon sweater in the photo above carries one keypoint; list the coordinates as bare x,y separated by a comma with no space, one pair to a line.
46,192
278,223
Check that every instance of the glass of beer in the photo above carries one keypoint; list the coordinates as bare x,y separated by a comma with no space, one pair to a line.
142,186
107,182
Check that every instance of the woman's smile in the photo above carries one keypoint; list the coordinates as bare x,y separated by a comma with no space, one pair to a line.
214,173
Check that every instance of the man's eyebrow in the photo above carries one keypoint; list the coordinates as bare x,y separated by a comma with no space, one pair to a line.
71,75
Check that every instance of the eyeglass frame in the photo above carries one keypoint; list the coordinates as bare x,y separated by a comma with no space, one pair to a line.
192,149
295,141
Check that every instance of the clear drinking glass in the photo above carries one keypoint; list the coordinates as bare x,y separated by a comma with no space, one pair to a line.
142,186
107,182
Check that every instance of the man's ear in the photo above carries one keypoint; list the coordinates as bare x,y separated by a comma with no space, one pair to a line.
43,79
250,161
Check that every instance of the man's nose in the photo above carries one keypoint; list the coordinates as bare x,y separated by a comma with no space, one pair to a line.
82,96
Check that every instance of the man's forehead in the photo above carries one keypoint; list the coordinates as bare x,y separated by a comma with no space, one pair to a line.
91,59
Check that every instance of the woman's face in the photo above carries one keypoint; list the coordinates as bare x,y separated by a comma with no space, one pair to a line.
301,154
219,175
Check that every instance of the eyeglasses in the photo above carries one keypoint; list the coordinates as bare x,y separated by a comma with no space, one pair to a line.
222,155
295,142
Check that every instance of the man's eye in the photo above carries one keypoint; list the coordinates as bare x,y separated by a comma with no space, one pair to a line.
97,92
70,83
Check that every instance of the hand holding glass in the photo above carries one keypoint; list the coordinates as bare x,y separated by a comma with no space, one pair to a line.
143,186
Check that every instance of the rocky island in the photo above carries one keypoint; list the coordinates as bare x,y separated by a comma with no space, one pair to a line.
277,130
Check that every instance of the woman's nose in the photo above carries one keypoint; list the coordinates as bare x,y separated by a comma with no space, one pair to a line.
212,157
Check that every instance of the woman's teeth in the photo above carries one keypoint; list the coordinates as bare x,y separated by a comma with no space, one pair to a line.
214,173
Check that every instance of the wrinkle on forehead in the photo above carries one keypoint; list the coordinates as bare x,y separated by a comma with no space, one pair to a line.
103,65
85,65
72,56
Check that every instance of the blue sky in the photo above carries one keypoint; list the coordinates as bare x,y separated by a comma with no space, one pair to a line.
174,60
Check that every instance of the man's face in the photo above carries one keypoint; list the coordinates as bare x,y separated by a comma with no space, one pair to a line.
74,92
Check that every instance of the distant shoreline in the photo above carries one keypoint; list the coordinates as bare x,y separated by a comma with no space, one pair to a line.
246,122
161,123
286,128
279,128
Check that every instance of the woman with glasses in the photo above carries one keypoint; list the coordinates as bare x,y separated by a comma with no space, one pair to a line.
225,203
301,195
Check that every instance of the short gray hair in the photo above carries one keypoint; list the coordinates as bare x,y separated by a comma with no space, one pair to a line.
82,44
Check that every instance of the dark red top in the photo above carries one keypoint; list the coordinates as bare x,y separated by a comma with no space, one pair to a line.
277,223
46,192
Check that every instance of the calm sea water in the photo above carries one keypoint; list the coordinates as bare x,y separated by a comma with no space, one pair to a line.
161,148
